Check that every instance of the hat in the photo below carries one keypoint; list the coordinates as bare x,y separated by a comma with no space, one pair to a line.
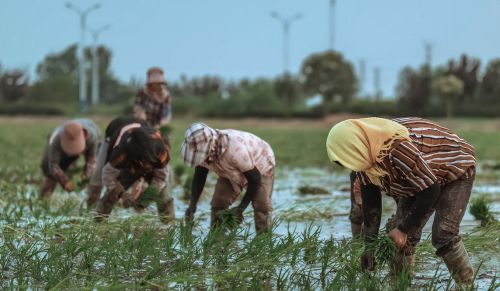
72,138
198,140
155,75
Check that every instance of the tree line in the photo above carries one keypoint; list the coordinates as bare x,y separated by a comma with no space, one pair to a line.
459,87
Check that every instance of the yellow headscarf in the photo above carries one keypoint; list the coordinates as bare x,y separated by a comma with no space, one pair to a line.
358,144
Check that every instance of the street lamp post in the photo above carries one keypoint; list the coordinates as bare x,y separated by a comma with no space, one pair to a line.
286,22
81,54
332,25
95,63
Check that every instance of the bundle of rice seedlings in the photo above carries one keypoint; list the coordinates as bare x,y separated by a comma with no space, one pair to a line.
385,250
480,209
147,197
186,187
229,218
165,130
313,190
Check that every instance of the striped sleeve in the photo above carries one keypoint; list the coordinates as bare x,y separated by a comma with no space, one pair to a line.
362,178
411,166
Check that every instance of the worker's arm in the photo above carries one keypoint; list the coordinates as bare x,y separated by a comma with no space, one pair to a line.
254,182
54,158
372,212
197,185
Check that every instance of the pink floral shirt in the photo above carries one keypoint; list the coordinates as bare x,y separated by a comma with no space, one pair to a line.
244,152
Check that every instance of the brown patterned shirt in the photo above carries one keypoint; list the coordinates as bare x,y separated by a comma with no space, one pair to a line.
245,151
155,110
434,154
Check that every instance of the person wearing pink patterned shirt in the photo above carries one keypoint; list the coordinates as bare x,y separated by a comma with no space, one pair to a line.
241,160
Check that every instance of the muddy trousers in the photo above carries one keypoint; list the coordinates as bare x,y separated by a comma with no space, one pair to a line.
225,195
164,202
448,212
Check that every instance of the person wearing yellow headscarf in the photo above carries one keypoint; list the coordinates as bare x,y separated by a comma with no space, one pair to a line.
426,166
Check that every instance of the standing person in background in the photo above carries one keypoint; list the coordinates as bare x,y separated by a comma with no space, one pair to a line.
241,160
65,145
153,102
427,166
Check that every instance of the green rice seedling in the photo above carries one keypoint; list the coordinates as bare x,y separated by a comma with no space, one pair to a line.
179,171
149,196
229,218
166,130
310,241
480,209
313,190
385,250
186,187
494,285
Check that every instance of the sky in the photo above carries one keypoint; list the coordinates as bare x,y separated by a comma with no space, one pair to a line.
235,38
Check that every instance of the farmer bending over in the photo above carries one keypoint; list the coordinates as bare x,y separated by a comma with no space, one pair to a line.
65,145
429,167
132,150
240,159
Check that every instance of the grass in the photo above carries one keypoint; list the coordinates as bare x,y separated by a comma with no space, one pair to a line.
480,209
55,244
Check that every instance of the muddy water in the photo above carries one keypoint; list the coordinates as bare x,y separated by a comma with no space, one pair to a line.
331,211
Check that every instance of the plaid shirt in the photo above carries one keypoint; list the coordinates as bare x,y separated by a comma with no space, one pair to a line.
230,154
201,143
155,110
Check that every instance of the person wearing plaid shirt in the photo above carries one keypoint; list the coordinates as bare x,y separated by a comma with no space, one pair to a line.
241,160
153,103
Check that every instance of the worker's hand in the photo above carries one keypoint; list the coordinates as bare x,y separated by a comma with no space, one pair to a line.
398,237
367,261
189,214
239,214
68,186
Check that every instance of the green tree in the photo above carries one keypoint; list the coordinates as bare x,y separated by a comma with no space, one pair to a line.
449,88
58,64
490,85
467,70
329,75
414,89
59,71
13,84
287,88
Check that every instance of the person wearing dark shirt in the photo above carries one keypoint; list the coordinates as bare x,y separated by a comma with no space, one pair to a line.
132,150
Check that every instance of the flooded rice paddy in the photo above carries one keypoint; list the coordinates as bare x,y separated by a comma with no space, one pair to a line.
55,244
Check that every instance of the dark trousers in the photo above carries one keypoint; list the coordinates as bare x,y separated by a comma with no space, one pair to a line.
449,211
